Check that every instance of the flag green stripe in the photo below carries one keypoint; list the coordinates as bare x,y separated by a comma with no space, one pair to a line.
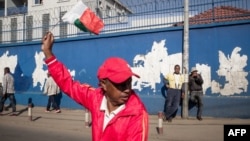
78,24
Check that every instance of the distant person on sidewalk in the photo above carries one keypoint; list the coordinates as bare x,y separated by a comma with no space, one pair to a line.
117,112
196,92
173,82
1,95
8,91
52,90
1,90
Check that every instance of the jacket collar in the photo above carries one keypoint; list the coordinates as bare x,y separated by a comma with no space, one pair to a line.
104,106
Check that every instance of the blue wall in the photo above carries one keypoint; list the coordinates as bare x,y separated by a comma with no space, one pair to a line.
85,55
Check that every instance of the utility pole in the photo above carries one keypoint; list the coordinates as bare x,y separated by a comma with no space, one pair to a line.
5,8
185,58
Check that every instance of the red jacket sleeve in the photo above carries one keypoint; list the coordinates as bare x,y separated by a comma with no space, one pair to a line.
81,93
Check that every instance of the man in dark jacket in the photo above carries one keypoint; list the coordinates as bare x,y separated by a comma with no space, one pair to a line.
196,91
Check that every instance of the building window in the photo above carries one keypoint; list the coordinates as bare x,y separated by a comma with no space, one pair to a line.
37,2
46,21
63,26
121,16
29,28
63,0
108,11
100,4
13,29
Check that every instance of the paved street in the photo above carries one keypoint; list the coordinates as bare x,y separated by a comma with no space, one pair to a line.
70,125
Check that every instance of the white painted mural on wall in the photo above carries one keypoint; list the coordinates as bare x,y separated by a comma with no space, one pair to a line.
40,75
7,60
232,69
151,65
157,62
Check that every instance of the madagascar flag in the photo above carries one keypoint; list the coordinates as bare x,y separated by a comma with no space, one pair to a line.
83,18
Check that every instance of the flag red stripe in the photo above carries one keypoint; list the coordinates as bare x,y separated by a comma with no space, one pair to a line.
92,22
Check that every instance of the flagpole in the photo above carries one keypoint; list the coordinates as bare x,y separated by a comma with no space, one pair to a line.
55,25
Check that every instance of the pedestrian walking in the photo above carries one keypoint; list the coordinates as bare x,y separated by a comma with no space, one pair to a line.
1,90
8,91
52,90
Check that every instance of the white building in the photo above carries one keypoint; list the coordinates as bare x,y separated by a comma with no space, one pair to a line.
29,20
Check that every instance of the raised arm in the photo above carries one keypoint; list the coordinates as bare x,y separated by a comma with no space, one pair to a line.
47,44
81,93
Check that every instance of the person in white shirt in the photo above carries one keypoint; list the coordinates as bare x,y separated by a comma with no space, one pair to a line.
52,90
8,91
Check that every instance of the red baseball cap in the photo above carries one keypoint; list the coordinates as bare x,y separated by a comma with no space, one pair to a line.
115,69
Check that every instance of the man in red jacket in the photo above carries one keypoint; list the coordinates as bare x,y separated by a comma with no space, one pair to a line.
117,112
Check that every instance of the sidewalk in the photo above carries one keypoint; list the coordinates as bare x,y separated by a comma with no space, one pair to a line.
71,120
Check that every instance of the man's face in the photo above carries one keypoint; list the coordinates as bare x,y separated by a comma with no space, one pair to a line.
118,94
194,73
177,69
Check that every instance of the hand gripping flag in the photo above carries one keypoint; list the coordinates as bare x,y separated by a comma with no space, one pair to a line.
83,18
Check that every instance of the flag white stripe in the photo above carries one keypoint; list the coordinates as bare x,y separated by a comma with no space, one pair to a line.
75,12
